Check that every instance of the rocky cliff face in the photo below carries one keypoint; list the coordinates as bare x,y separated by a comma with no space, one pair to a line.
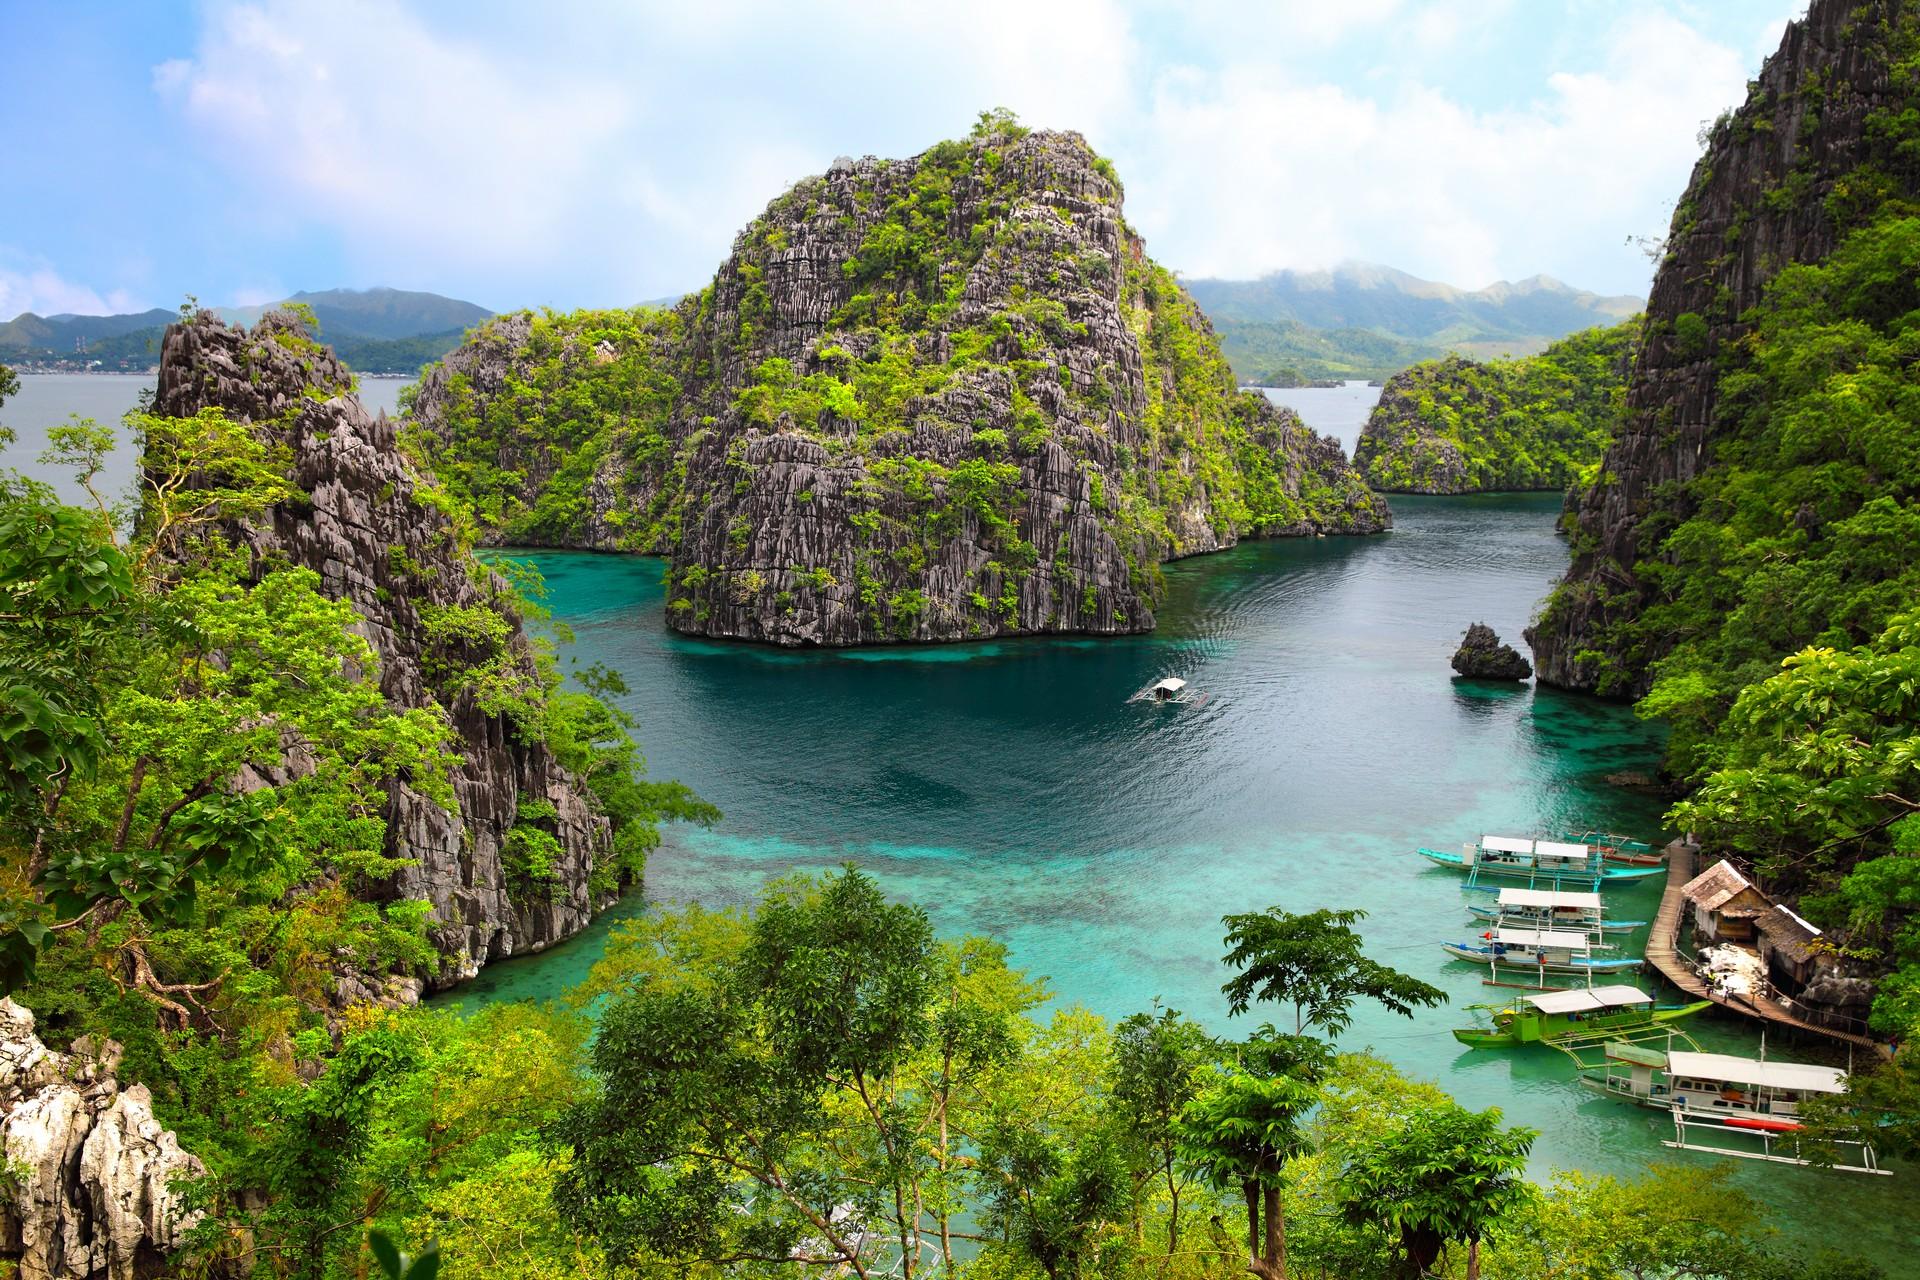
926,399
1775,186
90,1191
380,537
1402,449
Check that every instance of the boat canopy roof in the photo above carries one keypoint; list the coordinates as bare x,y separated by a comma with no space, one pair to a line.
1506,844
1549,898
1730,1069
1588,999
1638,1054
1558,849
1558,938
1172,684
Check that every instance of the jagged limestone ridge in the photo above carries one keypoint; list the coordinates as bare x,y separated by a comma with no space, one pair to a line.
1782,178
924,399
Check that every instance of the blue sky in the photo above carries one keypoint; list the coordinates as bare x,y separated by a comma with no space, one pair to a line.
583,153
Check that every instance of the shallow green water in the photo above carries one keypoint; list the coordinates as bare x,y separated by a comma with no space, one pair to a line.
1011,789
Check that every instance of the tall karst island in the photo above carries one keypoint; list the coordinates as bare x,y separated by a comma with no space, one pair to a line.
930,399
1757,497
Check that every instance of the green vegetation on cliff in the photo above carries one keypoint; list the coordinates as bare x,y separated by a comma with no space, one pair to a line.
1767,602
538,406
1536,422
196,764
925,399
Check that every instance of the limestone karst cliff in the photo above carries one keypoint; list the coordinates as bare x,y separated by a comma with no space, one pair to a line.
925,399
90,1191
1814,148
380,537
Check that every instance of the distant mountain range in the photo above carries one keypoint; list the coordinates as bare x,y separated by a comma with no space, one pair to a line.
373,330
1355,321
1361,320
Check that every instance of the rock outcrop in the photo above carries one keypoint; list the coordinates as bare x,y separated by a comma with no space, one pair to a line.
1464,426
379,536
1481,656
93,1182
1772,188
927,399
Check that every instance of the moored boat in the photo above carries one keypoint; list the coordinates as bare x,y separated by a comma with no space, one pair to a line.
1554,863
1747,1099
1554,909
1565,1018
1621,850
1541,950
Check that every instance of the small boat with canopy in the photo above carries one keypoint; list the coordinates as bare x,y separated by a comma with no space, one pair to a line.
1752,1103
1542,951
1538,862
1554,909
1578,1021
1621,850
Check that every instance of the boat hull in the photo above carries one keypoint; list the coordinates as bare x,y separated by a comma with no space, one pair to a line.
1610,926
1528,871
1509,1036
1485,955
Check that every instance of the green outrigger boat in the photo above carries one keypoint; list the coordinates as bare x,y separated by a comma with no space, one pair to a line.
1579,1019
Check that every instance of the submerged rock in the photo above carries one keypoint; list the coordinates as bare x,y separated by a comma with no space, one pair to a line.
1481,656
90,1190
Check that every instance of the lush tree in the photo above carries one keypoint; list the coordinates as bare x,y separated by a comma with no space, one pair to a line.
1157,1064
1445,1174
1238,1132
743,1095
1678,1221
1313,961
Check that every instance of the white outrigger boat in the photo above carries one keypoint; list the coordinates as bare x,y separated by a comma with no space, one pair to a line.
1550,862
1554,909
1751,1100
1541,951
1170,689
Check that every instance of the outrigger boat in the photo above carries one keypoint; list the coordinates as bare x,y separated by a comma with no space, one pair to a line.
1542,950
1577,1021
1748,1099
1620,850
1552,862
1171,689
1554,909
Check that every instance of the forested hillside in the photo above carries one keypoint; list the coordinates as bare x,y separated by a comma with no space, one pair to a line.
1535,422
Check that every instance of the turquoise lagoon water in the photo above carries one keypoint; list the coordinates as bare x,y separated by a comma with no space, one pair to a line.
1011,789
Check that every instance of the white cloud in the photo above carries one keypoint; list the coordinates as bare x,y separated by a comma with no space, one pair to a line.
30,285
416,149
1258,166
603,151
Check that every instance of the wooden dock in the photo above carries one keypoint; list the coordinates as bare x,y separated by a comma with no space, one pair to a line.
1663,954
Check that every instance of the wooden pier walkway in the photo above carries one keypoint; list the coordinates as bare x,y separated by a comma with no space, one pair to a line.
1663,954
